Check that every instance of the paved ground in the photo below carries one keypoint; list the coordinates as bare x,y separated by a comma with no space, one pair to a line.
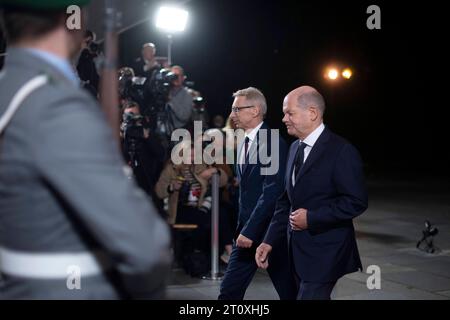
387,234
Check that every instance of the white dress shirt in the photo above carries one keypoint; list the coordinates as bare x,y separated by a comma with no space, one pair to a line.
310,140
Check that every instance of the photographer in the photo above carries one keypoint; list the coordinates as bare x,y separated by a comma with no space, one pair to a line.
146,65
188,188
86,68
180,100
142,151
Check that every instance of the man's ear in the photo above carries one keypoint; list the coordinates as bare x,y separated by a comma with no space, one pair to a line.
257,111
314,113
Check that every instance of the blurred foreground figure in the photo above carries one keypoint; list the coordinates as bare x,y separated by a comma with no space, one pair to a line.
72,226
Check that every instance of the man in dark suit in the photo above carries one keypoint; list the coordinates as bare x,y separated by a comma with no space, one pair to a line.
261,183
325,190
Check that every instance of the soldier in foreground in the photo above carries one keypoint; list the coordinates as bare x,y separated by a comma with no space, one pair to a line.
72,226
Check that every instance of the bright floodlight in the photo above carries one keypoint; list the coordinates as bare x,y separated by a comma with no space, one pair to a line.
347,73
171,19
333,74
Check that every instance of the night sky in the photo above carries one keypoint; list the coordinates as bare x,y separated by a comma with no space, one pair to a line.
393,109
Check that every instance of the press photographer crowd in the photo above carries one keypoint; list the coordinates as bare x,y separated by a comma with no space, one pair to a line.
155,99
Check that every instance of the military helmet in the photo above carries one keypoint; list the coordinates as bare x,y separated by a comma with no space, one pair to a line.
42,4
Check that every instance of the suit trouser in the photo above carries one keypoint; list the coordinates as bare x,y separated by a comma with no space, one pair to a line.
308,290
315,290
242,267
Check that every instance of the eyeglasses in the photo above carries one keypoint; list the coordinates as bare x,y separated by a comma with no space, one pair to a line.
237,109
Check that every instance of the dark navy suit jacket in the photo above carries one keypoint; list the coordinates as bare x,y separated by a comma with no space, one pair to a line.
258,193
331,187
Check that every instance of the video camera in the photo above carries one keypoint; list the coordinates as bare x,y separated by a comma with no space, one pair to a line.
133,126
162,83
199,104
94,48
131,88
151,93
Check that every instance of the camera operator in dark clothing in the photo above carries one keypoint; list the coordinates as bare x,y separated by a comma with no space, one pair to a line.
86,68
131,88
142,151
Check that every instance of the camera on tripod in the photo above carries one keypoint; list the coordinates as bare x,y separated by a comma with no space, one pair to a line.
131,88
150,93
133,126
426,243
163,82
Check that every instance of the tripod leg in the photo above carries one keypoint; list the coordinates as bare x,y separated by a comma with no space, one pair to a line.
431,244
420,241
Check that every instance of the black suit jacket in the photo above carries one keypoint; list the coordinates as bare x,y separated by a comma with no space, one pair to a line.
258,193
331,187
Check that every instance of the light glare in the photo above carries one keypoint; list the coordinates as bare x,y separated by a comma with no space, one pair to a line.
171,19
333,74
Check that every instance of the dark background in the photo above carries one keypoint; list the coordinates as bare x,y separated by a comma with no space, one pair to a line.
394,109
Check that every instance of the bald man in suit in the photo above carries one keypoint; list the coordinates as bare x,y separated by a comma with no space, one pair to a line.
325,190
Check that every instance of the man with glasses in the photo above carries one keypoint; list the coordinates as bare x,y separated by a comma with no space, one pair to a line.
257,197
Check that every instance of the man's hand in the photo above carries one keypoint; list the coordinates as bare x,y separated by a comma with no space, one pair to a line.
298,220
146,133
262,255
207,174
243,242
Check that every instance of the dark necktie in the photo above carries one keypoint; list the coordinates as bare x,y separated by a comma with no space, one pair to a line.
247,140
244,164
299,158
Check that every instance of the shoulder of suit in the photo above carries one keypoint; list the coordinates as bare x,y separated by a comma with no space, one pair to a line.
339,144
293,144
265,126
281,142
337,140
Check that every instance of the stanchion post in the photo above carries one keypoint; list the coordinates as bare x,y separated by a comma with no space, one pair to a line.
214,274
